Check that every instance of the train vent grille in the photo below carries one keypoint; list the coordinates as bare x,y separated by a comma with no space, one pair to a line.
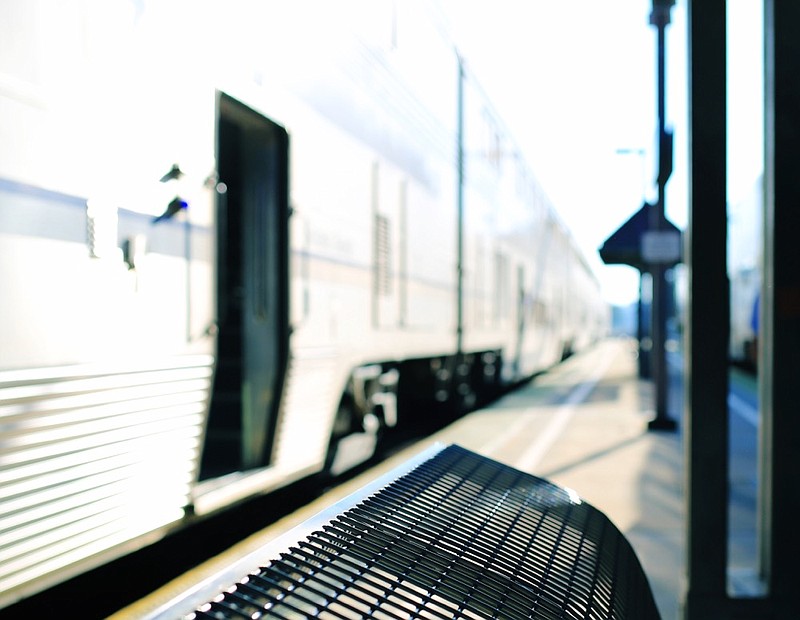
459,536
383,254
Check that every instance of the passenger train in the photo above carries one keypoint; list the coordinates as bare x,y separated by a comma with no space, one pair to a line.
745,266
239,241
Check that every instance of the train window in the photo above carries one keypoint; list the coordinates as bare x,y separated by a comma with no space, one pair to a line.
383,253
501,287
492,140
402,269
260,244
480,285
523,185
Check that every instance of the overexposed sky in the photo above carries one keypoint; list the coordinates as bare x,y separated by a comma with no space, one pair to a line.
575,81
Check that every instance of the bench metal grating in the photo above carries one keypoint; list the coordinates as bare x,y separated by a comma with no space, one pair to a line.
459,536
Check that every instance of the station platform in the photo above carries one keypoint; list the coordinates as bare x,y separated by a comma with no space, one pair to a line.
582,425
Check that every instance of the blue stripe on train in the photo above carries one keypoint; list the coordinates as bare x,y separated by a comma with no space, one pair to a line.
32,211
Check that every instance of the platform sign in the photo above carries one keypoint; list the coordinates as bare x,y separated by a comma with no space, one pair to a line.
636,244
661,246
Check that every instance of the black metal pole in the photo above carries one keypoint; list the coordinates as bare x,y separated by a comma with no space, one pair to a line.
460,209
779,342
660,18
707,325
644,353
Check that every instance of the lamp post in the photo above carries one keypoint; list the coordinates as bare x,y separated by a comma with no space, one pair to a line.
660,18
644,367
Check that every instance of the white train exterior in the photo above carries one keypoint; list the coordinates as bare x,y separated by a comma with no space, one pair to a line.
237,240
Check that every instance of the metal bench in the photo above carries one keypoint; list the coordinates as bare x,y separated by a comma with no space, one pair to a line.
451,535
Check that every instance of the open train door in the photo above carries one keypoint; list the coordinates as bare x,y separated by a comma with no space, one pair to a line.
252,288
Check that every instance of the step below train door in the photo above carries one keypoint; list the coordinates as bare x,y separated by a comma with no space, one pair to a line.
252,287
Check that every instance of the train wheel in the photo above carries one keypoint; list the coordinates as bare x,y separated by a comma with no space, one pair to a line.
354,438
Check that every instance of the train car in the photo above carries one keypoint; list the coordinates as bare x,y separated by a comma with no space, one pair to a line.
238,242
745,225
